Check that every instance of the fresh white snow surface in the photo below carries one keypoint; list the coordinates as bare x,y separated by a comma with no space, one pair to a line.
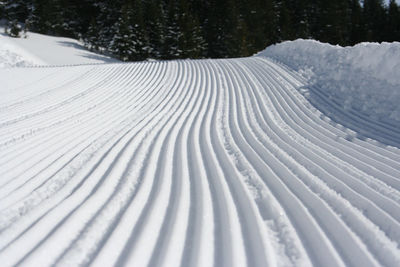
188,163
39,49
12,55
362,80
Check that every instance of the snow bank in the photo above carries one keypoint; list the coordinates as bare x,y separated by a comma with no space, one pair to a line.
39,49
365,77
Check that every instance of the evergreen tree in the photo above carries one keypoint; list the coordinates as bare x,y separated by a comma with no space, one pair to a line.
192,42
257,25
374,20
44,17
106,17
13,28
300,13
270,26
334,21
139,38
2,11
285,29
122,44
69,24
92,37
392,32
173,35
170,29
17,10
222,31
154,24
356,26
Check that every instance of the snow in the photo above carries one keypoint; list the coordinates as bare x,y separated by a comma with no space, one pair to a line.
364,79
12,55
189,163
39,49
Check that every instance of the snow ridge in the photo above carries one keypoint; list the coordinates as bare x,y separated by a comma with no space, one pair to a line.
363,79
190,163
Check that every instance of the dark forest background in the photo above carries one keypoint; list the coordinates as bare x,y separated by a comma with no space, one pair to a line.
169,29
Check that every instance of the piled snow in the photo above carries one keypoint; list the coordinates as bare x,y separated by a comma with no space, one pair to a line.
363,78
39,49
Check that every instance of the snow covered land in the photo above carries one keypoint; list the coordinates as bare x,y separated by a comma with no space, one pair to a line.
363,80
39,49
288,158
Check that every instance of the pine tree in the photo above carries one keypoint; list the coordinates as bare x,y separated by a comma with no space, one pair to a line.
334,21
300,13
222,30
122,44
69,24
16,9
166,29
138,34
392,32
374,20
2,11
46,17
92,37
356,27
154,24
107,14
285,29
14,28
173,35
257,25
192,43
15,12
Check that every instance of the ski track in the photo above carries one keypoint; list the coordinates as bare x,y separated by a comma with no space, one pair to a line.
190,163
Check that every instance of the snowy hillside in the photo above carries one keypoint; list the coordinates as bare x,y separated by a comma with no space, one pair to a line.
39,49
193,163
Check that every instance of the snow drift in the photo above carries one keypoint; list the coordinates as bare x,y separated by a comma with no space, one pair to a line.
364,78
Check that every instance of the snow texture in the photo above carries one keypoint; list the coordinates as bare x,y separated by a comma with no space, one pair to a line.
188,163
39,49
364,79
13,56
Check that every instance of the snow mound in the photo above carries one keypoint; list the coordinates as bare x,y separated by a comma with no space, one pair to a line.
364,78
39,49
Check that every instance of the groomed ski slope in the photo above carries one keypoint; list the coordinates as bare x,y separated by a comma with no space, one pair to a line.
188,163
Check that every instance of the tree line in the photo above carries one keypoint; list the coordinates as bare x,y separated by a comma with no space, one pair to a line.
170,29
